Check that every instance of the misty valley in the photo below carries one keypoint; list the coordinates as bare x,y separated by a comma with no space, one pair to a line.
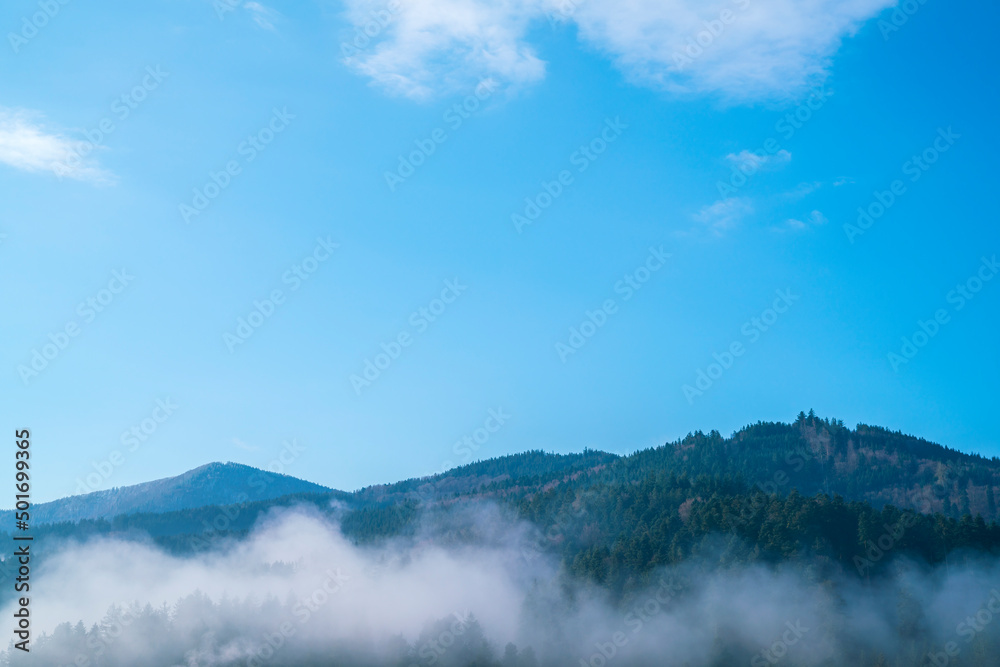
807,543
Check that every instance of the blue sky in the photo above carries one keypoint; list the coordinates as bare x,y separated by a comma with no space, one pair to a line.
183,165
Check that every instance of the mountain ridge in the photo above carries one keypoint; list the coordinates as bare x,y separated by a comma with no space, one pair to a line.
210,484
810,455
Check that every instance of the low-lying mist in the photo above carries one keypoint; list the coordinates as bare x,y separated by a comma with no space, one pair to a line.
477,592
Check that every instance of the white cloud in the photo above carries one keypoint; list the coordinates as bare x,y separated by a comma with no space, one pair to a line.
724,214
815,219
800,191
741,50
244,446
751,161
25,144
429,46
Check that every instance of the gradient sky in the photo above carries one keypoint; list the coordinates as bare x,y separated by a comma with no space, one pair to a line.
330,120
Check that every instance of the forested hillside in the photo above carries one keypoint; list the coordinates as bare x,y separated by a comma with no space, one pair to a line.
812,497
660,499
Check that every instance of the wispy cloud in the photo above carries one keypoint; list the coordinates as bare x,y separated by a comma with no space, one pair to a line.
749,160
814,219
26,144
724,214
244,446
800,191
442,45
740,50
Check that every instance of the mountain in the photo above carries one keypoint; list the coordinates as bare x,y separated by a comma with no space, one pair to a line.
859,511
211,484
810,455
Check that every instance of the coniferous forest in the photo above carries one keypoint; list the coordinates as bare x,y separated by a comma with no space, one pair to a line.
838,523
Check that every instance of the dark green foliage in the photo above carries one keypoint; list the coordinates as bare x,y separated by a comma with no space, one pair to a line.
813,495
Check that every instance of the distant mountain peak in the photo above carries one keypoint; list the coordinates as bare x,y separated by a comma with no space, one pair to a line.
210,484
